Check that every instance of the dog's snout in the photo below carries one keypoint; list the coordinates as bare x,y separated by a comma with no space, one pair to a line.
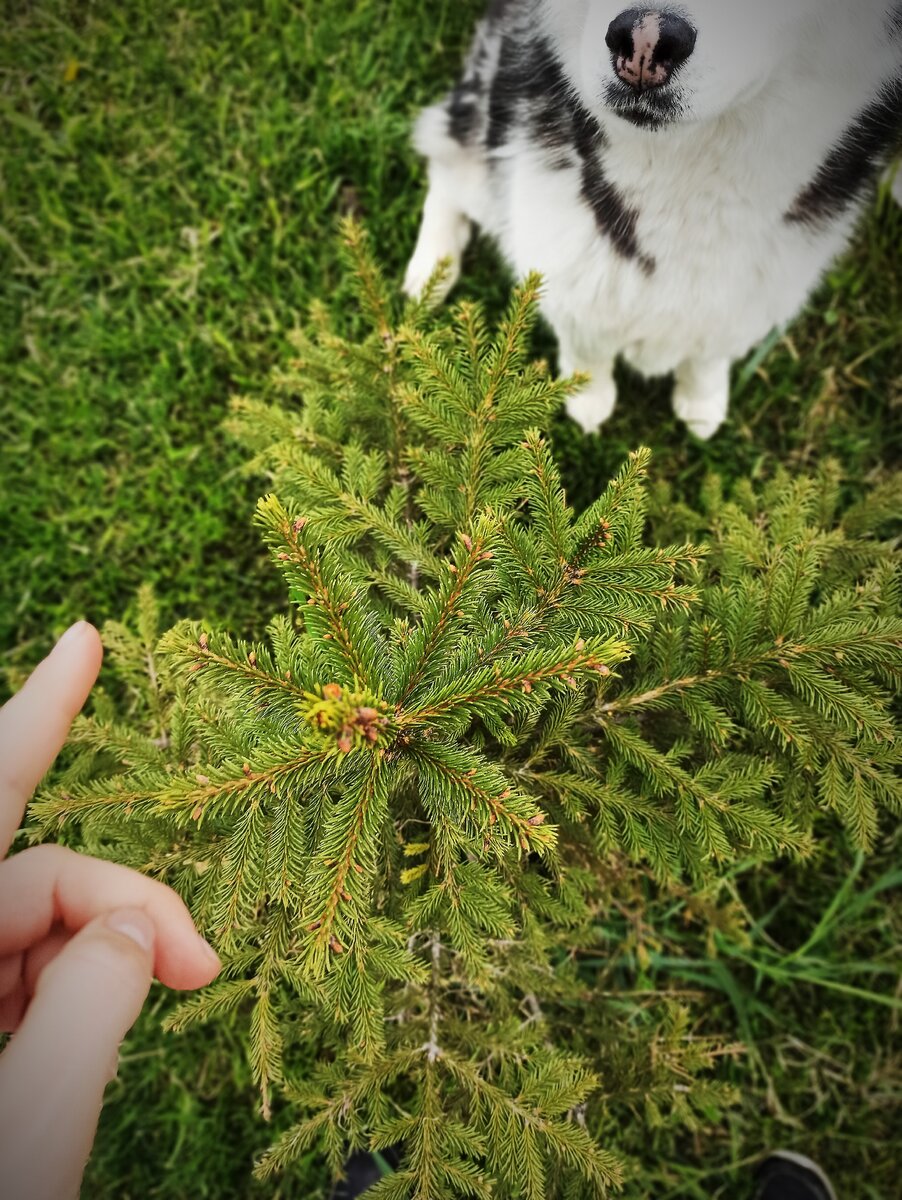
648,46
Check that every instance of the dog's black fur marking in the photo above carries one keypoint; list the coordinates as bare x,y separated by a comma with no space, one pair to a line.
552,108
466,103
614,218
854,163
504,94
463,110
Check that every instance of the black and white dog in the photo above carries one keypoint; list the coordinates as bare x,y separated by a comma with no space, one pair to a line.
681,176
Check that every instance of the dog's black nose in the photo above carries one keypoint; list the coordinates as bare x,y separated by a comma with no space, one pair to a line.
649,46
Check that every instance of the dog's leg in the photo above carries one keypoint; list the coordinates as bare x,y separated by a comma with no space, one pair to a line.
444,234
591,406
701,396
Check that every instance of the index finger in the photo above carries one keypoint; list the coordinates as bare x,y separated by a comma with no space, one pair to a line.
35,723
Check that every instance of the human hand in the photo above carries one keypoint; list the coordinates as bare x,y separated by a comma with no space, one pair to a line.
80,941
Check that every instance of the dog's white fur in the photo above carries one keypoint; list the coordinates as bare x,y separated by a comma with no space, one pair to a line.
770,89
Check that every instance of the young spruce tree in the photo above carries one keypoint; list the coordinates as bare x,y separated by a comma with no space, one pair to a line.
403,815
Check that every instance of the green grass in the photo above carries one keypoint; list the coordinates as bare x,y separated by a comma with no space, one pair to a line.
814,999
167,215
169,185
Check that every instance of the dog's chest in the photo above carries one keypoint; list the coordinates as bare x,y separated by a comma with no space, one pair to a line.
714,265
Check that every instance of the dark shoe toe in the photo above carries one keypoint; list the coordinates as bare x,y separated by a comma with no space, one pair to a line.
361,1173
788,1176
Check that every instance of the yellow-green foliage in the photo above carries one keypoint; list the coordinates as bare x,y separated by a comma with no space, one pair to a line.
400,814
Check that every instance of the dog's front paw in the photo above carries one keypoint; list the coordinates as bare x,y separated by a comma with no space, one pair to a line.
592,406
701,397
702,418
703,427
438,259
430,278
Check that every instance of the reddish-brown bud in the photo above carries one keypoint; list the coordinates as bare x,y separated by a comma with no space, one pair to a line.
332,691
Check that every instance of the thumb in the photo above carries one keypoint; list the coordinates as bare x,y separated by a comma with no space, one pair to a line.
55,1070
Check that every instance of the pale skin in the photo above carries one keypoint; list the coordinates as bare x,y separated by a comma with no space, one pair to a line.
80,942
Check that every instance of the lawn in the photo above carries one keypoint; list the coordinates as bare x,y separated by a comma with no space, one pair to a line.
170,181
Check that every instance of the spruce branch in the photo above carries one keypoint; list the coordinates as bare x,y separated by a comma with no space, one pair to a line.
551,517
336,610
340,875
453,774
235,669
442,613
527,1123
507,685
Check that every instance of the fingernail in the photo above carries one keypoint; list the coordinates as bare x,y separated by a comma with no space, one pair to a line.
72,634
209,953
112,1071
134,924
